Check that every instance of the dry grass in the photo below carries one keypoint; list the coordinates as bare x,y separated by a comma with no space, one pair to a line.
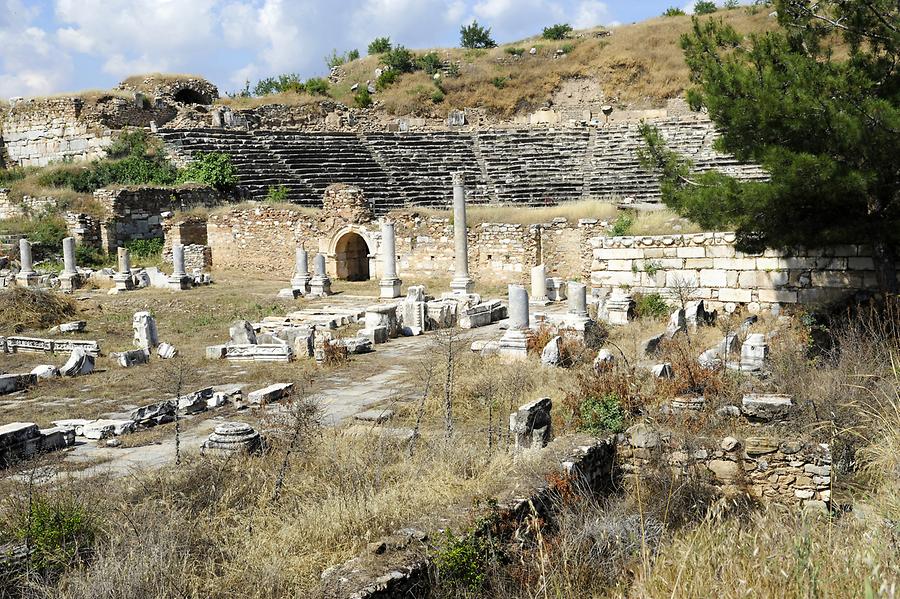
638,66
661,222
22,308
300,210
285,98
571,211
138,80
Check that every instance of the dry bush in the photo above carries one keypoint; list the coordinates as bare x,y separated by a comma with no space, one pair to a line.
24,308
539,339
336,354
690,377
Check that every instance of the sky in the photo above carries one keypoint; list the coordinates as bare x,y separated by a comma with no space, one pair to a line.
53,46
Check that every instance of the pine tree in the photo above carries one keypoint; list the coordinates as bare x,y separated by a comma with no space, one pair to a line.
823,120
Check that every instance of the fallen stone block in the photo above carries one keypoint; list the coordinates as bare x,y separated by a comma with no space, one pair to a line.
411,331
271,393
151,414
77,326
663,371
166,351
552,353
377,336
56,438
144,327
10,383
79,363
355,345
232,438
242,333
677,324
132,358
18,441
766,408
76,424
103,429
196,402
377,416
651,346
474,317
604,361
45,371
216,352
259,353
532,424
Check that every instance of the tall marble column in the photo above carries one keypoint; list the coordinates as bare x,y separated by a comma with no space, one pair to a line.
462,283
300,280
69,279
122,279
390,284
27,277
320,284
179,279
514,343
539,285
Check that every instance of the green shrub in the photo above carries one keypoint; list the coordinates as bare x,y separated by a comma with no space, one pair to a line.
130,142
362,99
729,4
463,562
277,195
352,55
568,48
673,12
316,86
704,7
514,51
557,32
453,70
59,533
499,82
399,59
10,175
651,305
91,257
622,225
602,415
380,45
45,232
430,63
335,60
213,168
386,79
476,36
438,96
145,248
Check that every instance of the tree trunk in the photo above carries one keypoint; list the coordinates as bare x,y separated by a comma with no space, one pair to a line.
884,256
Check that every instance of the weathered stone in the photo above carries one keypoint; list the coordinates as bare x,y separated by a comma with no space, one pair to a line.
271,393
79,363
102,429
552,353
663,371
754,352
677,324
760,445
135,357
604,361
377,415
242,333
383,316
166,351
766,408
650,346
724,470
532,424
45,371
729,444
150,413
642,436
278,352
232,438
144,326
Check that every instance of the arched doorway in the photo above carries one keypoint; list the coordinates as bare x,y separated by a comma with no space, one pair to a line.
190,96
351,256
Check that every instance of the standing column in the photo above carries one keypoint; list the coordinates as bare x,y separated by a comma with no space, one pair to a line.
69,279
27,277
320,284
514,343
300,280
179,279
539,285
578,314
390,284
462,283
122,278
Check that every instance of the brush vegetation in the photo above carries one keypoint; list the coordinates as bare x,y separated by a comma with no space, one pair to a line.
24,308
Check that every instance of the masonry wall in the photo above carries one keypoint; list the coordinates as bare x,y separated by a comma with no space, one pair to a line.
137,212
726,277
40,131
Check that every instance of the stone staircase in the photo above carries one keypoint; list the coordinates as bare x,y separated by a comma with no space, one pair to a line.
509,166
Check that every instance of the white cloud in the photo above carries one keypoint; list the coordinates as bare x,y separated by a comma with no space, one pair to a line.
29,63
590,13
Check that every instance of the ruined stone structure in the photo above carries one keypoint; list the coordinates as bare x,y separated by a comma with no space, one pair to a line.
709,265
516,166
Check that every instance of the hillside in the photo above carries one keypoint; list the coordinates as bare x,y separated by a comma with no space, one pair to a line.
635,66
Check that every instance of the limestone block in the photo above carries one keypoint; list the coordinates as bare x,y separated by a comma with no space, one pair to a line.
232,438
153,413
779,296
45,371
79,363
242,333
761,279
532,424
663,371
741,296
271,393
766,408
552,352
383,316
377,335
713,278
103,429
132,358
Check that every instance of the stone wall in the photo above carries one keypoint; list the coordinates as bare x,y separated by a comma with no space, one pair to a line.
40,131
725,277
137,212
787,471
84,228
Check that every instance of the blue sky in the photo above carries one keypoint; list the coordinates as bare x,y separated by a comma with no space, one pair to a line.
52,46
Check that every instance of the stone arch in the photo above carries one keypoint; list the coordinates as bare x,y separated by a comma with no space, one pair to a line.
351,255
191,96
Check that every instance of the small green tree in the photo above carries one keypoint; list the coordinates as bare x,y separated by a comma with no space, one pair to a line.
380,45
826,128
704,7
476,36
316,86
352,55
557,32
430,63
673,12
399,59
362,99
334,59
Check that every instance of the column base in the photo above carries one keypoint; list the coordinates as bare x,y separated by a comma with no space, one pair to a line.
319,287
179,283
69,282
539,301
577,322
462,285
300,285
27,279
390,288
514,345
122,282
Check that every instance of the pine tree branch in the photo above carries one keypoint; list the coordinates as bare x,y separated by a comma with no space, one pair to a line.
811,13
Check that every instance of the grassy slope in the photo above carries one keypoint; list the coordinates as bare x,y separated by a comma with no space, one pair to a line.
638,66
